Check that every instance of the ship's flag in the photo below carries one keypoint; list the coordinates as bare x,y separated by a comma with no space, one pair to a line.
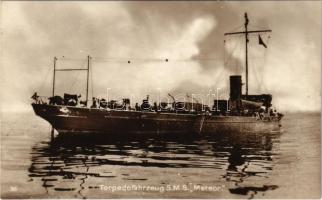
260,41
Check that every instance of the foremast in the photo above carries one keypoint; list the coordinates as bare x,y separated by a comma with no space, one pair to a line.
72,69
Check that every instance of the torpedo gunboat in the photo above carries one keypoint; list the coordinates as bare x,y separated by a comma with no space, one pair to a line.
239,113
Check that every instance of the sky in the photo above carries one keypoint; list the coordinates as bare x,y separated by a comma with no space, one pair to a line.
189,34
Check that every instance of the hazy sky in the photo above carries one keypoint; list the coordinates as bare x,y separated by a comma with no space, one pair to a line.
189,34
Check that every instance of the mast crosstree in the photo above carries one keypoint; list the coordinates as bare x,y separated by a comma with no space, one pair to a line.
246,33
72,69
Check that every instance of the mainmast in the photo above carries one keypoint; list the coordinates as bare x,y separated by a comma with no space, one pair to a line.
246,50
246,32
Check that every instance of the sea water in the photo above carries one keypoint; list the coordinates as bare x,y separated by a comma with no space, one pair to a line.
280,164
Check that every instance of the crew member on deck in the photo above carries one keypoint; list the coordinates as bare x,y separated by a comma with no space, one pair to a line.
94,105
137,107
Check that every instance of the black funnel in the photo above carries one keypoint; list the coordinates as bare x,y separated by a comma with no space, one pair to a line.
235,88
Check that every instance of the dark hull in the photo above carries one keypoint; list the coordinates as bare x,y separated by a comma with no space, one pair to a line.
67,119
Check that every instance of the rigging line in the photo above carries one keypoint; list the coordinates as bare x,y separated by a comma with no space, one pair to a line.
238,56
261,63
77,75
260,73
132,58
219,76
232,51
257,27
43,82
106,61
63,58
236,28
253,63
224,64
234,48
114,59
242,52
256,33
265,59
260,76
202,59
161,60
226,59
122,59
70,69
256,62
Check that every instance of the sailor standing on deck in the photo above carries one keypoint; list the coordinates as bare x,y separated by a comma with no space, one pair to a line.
35,97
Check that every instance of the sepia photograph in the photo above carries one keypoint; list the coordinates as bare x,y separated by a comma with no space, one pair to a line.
160,99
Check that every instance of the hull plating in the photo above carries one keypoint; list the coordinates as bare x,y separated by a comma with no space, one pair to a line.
67,119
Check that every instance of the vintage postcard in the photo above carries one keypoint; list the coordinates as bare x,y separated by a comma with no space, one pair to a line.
160,99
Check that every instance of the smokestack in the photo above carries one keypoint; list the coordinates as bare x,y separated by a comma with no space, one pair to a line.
235,92
235,88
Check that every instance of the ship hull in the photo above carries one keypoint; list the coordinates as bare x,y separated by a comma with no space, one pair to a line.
69,119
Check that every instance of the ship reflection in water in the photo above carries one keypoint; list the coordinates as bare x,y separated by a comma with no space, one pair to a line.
237,162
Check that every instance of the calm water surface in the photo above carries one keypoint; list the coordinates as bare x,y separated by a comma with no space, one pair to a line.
283,164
